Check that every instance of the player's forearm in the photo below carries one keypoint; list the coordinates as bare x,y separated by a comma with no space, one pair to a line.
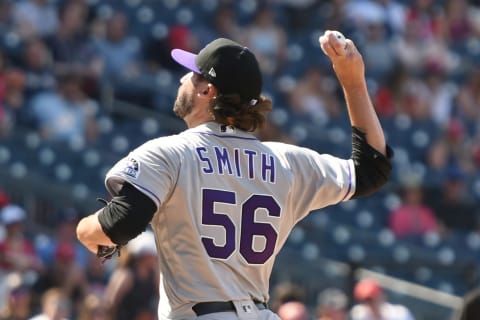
90,233
363,115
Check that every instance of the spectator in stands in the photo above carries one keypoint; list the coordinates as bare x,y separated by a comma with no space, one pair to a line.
72,48
67,113
120,57
388,95
55,306
468,98
64,222
65,275
377,50
424,41
12,84
293,310
97,275
334,15
413,100
314,97
440,92
427,15
4,198
409,47
38,67
332,305
18,305
300,12
267,39
226,24
123,72
132,291
35,18
286,292
459,25
373,304
5,16
157,51
452,204
452,147
413,217
395,16
93,308
17,252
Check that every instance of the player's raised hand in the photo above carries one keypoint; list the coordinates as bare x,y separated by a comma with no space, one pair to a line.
347,61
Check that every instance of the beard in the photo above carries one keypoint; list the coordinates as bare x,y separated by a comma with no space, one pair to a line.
183,105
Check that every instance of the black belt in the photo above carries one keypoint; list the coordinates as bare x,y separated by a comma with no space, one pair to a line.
202,308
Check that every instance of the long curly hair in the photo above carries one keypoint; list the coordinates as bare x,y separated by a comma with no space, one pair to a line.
230,109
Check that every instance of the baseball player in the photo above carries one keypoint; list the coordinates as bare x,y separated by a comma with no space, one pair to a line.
221,202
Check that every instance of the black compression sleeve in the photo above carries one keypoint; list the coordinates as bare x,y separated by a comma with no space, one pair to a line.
127,215
372,169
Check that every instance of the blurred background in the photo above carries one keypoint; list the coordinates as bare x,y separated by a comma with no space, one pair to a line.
84,81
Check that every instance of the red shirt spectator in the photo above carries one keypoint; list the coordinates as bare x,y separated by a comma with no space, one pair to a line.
413,217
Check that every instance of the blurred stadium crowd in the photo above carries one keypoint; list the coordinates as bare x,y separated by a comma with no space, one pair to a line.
84,81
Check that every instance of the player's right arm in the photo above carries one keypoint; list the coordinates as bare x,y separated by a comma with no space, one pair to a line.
370,152
350,70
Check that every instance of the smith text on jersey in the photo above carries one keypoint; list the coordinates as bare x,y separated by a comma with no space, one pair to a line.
242,163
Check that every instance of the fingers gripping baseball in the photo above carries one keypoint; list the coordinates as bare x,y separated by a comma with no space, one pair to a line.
333,43
347,61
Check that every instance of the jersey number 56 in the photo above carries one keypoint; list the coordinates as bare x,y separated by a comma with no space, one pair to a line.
249,228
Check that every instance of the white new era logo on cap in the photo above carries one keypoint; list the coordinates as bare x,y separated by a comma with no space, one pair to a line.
212,72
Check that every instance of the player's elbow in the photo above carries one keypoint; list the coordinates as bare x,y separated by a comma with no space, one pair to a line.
85,229
372,174
127,215
370,180
81,231
372,168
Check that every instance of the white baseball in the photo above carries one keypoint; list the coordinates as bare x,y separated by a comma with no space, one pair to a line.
340,37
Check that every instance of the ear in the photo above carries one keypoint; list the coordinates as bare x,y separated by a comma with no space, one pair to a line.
208,91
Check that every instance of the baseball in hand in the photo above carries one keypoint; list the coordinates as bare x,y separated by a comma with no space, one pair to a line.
340,38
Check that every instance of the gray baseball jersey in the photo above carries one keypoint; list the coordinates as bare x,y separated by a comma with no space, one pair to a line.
226,205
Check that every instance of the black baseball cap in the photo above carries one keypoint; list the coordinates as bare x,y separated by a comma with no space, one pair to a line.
231,67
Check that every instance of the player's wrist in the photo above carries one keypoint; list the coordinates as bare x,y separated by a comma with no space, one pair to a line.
355,87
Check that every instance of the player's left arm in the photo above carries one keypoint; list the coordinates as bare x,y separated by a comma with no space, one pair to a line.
90,233
122,219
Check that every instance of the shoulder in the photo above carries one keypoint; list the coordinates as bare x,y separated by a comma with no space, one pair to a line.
288,149
165,144
165,149
294,153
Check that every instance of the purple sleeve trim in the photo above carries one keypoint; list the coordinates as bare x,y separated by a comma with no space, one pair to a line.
142,189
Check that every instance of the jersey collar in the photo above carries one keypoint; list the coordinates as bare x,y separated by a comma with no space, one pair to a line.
216,128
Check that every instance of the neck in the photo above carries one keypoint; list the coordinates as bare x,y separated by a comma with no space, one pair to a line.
193,121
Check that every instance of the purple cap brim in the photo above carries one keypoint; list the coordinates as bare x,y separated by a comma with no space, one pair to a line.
186,59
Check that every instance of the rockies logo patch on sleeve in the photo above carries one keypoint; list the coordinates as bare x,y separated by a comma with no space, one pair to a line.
131,168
